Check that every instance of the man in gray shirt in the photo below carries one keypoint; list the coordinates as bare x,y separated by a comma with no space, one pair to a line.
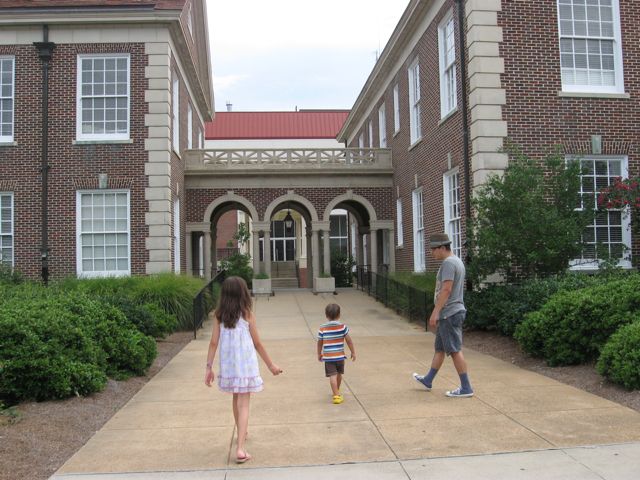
448,316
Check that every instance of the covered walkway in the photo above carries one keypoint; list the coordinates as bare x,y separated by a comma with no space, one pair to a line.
519,424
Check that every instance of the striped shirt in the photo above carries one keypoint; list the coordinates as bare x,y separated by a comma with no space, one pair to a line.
332,336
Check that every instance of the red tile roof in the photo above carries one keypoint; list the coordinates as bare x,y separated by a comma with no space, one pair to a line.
276,125
158,4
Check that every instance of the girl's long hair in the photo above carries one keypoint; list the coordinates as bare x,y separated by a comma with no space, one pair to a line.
234,301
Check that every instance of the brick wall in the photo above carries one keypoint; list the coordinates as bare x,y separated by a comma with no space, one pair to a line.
73,167
428,159
538,118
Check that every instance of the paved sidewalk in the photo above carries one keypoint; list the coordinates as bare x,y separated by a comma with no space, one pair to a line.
518,425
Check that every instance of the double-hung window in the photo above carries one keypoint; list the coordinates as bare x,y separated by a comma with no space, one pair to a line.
103,97
399,222
382,126
189,126
609,235
418,232
590,46
414,102
396,109
175,113
452,222
104,233
447,53
6,228
7,92
339,231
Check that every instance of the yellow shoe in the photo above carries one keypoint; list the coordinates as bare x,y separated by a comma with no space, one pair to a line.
337,399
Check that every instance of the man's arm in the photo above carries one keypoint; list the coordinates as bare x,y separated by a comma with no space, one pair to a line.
443,296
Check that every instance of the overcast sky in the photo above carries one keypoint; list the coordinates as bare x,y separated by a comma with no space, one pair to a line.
282,54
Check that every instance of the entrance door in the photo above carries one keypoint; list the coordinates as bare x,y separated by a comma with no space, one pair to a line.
283,241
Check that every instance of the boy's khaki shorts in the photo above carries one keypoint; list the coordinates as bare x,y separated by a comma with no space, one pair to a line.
334,368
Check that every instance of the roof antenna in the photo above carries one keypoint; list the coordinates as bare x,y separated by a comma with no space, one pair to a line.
296,108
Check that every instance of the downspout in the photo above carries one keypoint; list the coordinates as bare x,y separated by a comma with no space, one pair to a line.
45,51
465,128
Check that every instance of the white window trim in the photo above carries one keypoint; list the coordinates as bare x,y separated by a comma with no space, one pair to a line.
457,249
396,109
361,140
106,273
419,256
442,30
617,52
175,113
190,20
399,223
13,228
176,236
370,133
200,139
189,126
101,136
625,262
10,138
382,126
415,129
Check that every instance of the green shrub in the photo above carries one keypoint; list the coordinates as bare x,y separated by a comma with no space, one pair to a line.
59,344
342,268
503,307
620,357
173,293
573,325
9,276
46,352
238,265
149,318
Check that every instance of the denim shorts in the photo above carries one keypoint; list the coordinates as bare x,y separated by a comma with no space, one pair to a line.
449,333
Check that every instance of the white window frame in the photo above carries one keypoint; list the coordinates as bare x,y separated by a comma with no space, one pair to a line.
11,232
361,141
79,233
617,53
189,126
415,128
176,236
370,133
625,261
419,256
453,210
11,96
175,113
382,126
341,214
79,97
396,109
446,46
399,223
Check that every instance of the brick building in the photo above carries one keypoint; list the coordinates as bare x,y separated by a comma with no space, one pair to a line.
129,90
541,73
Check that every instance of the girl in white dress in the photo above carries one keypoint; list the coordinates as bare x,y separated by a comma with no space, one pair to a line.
236,333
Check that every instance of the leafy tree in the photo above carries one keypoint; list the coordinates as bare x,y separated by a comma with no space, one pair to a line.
239,264
527,224
342,268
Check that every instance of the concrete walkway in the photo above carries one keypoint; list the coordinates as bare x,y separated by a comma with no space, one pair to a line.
519,424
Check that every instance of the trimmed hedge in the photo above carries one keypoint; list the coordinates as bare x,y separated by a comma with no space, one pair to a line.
573,325
55,345
620,357
503,307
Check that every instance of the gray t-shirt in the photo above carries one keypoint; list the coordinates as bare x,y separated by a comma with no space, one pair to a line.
452,268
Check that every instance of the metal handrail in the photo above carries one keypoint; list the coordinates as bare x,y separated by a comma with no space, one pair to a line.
409,301
204,301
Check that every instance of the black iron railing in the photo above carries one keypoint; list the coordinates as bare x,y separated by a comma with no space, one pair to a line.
205,301
414,304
